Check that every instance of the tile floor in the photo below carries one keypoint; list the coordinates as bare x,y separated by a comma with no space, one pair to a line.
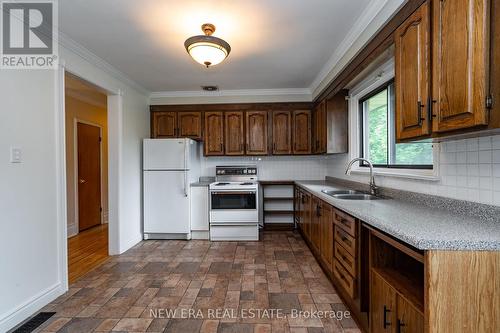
199,286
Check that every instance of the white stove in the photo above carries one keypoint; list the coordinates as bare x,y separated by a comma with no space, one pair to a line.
234,214
223,186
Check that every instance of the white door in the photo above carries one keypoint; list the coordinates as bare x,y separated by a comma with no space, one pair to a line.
166,208
165,154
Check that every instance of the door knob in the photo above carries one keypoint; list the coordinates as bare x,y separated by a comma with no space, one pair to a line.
81,181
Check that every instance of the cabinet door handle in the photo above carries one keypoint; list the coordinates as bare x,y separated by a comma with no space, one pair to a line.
420,106
221,147
400,324
386,310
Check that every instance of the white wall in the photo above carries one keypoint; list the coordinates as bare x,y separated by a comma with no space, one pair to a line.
28,222
31,269
469,170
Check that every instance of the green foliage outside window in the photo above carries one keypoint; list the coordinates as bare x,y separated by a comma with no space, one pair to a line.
377,136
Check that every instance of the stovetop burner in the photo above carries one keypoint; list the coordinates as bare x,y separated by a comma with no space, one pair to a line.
220,184
248,183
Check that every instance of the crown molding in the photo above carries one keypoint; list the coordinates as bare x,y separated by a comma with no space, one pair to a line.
331,68
306,92
84,53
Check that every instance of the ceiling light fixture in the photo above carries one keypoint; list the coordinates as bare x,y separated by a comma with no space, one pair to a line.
207,49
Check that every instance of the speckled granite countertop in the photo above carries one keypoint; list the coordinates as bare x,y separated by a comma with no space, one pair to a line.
423,227
198,184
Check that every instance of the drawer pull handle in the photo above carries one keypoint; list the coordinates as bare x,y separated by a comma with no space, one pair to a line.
400,324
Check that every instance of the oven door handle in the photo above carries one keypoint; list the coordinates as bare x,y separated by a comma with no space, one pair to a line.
234,192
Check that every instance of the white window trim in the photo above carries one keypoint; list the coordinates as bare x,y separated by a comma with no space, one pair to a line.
373,81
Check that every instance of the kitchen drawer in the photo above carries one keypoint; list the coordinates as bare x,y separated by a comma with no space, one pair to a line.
346,259
346,222
347,282
346,240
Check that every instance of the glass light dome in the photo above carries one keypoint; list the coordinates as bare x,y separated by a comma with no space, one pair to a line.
206,49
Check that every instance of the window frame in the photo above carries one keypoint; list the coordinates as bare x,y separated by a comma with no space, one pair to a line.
391,135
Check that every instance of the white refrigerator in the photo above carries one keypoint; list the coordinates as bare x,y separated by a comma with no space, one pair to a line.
169,167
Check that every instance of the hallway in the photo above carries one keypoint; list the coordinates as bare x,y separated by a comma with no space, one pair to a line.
86,251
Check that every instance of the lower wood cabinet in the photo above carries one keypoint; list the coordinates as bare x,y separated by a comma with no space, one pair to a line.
390,286
382,305
326,235
390,311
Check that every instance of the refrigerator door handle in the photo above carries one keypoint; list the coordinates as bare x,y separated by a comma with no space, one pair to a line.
185,166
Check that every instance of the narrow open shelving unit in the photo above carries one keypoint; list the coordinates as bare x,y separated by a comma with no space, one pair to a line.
278,200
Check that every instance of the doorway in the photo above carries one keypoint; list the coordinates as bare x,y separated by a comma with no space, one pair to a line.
86,176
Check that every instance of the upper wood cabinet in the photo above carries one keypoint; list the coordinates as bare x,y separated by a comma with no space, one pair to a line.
461,52
301,124
214,133
174,124
412,53
189,125
164,125
282,132
442,71
319,128
256,132
234,133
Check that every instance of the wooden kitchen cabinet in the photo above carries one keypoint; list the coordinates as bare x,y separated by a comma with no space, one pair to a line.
301,124
214,133
174,124
319,129
382,305
460,70
306,213
326,235
234,134
164,125
189,125
256,133
412,75
315,224
282,132
408,319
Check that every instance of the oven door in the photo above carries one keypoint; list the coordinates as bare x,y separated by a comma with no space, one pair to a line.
233,200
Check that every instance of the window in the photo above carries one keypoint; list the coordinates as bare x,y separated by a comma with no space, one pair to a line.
378,135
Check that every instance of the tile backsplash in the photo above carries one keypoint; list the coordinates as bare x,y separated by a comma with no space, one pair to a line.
469,169
273,167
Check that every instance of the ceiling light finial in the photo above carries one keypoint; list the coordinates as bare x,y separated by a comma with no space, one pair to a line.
207,49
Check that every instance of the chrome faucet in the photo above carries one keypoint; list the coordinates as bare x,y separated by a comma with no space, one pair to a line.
373,187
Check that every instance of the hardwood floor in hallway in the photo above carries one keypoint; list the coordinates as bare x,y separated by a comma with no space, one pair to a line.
86,251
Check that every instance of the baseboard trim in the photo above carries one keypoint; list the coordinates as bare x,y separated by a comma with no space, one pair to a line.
200,234
72,230
30,307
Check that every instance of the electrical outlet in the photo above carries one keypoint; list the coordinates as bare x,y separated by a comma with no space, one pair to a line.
15,155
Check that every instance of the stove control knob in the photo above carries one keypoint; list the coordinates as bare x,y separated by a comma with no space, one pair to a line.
245,171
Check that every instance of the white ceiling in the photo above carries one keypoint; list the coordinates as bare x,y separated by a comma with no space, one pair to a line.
276,44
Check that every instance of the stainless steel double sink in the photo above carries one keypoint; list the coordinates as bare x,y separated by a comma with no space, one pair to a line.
350,195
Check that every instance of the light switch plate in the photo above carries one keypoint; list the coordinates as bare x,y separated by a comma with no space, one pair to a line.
15,155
